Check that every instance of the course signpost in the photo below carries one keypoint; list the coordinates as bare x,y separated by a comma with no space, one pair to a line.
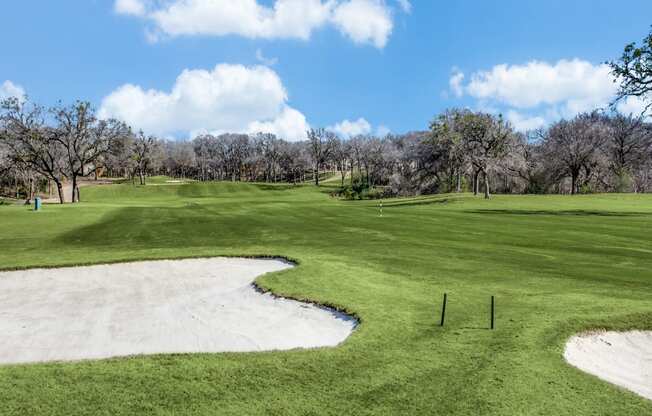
443,311
493,314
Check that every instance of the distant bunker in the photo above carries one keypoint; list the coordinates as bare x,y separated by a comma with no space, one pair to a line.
155,307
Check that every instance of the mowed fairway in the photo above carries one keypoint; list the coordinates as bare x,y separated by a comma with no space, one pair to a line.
556,264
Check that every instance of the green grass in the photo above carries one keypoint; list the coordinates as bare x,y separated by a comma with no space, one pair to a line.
556,264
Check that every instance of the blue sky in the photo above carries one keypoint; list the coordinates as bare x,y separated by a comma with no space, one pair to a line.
340,67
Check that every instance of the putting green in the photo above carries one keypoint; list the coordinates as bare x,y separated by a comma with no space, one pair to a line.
557,265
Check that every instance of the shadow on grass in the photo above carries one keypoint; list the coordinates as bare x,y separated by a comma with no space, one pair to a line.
442,201
579,213
191,225
276,186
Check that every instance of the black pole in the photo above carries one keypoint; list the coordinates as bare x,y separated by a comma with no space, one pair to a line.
443,311
493,314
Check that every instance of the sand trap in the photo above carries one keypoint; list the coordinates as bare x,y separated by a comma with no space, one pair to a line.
180,306
621,358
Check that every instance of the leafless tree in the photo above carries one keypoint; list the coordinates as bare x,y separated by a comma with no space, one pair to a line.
626,145
144,151
85,139
120,158
31,144
340,156
572,148
321,142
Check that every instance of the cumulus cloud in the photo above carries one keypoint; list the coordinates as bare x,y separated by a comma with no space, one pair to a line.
10,90
364,21
228,98
523,122
455,83
405,5
348,129
290,124
552,91
577,84
130,7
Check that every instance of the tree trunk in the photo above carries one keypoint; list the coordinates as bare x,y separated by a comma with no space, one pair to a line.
351,178
62,200
141,176
74,188
31,190
316,173
475,182
458,188
487,195
573,183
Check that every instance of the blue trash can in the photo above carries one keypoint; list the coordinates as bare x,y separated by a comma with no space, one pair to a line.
37,203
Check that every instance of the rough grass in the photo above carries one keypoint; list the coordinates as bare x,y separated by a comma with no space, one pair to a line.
556,264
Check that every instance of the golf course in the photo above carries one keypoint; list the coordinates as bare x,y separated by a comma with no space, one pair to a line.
557,265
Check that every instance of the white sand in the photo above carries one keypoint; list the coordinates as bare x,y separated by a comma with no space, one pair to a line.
180,306
621,358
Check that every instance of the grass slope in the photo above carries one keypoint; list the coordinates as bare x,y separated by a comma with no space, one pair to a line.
556,264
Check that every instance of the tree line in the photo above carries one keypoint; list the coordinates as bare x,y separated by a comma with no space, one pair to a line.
462,150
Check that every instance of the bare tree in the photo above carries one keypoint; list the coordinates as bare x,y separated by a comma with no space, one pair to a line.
144,148
120,160
626,145
31,144
84,138
572,148
268,148
321,143
340,156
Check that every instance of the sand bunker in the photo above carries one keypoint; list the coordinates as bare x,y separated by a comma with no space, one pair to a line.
171,306
621,358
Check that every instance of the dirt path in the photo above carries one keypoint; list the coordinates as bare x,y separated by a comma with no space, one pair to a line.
67,190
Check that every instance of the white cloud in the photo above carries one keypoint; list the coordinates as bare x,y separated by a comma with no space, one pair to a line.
287,18
364,21
575,85
523,122
348,129
10,90
455,83
228,98
130,7
264,60
547,91
634,105
405,5
290,124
